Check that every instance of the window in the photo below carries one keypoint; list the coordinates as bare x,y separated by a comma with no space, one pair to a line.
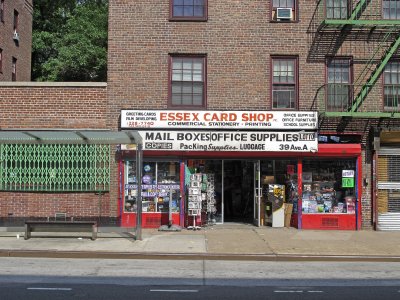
284,83
16,14
391,88
160,181
337,9
339,82
55,168
283,10
391,9
329,186
1,60
187,81
188,10
14,69
2,10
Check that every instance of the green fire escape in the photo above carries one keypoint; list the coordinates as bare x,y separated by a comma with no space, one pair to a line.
369,32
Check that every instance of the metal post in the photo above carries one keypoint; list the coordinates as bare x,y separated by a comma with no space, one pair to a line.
139,158
300,193
170,209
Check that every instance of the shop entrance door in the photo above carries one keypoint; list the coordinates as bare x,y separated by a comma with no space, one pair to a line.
257,194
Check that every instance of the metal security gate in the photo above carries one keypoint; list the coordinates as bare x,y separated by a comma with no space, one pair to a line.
54,168
388,200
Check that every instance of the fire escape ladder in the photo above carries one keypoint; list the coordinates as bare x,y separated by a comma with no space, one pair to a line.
371,66
366,88
357,11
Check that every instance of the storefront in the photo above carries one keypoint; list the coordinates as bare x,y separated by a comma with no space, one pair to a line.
223,171
330,193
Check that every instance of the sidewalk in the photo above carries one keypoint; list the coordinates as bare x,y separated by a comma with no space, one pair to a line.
228,241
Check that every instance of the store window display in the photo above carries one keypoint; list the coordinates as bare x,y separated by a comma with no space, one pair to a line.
329,187
160,185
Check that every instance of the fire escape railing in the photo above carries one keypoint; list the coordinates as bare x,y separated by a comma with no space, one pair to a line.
361,22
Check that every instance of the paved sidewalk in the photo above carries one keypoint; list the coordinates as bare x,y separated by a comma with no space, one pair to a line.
228,241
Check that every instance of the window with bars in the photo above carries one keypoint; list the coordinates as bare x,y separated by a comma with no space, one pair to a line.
337,9
187,81
339,82
283,10
191,10
284,83
391,9
55,168
391,85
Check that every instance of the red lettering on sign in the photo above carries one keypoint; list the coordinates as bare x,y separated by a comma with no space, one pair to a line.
163,116
257,117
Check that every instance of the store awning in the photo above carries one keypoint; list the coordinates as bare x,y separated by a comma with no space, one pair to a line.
58,136
84,136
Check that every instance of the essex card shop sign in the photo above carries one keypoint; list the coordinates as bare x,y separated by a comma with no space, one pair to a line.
229,141
154,119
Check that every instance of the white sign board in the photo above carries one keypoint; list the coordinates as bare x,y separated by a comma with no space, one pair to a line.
347,173
157,119
229,141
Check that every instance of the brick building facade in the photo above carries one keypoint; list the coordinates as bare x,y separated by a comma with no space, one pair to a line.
15,40
64,106
229,56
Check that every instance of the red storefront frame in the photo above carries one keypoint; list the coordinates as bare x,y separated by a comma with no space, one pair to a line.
334,221
149,219
304,221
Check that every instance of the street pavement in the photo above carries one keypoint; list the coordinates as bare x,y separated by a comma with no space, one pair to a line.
230,241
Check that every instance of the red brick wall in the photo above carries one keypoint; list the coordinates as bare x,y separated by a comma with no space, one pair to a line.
34,205
53,105
22,51
239,40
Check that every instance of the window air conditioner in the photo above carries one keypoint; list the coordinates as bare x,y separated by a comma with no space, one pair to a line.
16,36
284,13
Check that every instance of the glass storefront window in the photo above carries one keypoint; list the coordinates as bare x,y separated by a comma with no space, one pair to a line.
329,186
160,186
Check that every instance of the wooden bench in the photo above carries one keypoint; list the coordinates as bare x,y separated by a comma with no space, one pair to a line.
60,226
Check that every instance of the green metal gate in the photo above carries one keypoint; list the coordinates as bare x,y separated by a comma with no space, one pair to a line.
55,168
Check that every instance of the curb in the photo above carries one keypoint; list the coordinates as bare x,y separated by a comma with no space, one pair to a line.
189,256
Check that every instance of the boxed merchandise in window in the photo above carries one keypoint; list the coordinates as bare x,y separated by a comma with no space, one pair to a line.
196,177
194,212
194,205
194,198
195,184
194,191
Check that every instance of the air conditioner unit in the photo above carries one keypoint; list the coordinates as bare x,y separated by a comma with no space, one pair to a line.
284,13
16,36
